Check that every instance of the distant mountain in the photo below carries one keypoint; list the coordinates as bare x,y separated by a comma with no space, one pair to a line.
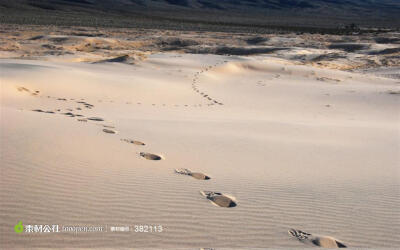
251,13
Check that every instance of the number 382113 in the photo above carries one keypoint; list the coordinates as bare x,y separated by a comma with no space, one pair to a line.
148,228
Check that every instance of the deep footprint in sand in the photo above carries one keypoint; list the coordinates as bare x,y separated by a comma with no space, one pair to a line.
196,175
316,240
109,131
108,126
219,199
150,156
69,114
133,142
98,119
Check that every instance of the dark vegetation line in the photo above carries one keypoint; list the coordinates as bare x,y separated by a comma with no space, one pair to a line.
176,24
81,14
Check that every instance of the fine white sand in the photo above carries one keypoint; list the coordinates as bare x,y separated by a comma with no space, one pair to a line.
298,147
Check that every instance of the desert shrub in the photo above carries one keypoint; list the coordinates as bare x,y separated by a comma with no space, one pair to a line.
348,47
256,40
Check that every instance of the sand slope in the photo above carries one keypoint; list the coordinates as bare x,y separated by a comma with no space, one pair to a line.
297,146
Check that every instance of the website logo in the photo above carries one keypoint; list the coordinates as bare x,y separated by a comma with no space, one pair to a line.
19,228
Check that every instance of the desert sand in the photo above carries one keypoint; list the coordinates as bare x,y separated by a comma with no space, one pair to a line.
94,142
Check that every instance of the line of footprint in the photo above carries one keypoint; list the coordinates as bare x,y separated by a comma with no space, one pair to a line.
217,198
195,87
90,106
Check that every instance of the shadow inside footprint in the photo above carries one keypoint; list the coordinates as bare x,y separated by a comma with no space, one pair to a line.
69,114
150,156
133,142
109,131
96,119
393,92
219,199
198,176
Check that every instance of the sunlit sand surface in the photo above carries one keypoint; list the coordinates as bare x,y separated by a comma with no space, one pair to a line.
297,145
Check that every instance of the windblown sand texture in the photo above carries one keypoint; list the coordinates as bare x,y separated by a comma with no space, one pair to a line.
298,145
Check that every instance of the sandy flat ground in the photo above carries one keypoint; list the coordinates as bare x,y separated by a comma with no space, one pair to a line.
297,147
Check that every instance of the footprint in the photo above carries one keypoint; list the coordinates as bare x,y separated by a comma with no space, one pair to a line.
325,79
108,126
316,240
150,156
109,131
393,92
96,119
87,105
198,176
133,142
219,199
21,89
42,111
69,114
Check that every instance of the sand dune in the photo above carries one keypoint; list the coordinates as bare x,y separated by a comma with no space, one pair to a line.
298,146
131,46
